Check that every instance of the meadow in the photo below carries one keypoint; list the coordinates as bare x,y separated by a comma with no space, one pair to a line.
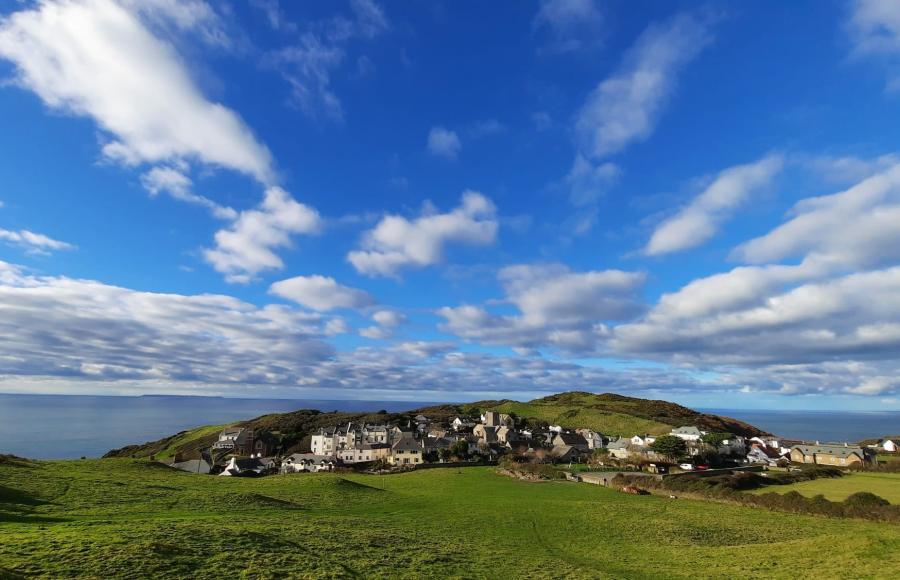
133,518
886,485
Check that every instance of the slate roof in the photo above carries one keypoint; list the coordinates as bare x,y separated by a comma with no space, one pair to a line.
687,430
836,450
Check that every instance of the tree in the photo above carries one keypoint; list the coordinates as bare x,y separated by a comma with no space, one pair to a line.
460,449
715,440
669,446
599,455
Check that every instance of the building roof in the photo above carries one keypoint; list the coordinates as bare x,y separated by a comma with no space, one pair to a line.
193,465
687,430
836,450
620,443
406,444
571,439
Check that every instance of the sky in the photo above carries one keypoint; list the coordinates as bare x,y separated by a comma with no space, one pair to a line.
378,199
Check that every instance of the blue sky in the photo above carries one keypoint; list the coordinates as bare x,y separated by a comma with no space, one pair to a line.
452,200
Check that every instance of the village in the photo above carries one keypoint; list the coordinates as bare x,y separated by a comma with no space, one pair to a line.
423,442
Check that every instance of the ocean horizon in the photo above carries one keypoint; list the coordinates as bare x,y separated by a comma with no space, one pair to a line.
73,426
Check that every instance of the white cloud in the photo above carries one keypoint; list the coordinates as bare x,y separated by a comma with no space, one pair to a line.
386,323
854,228
321,293
73,56
309,64
625,107
246,247
557,307
174,182
443,143
572,24
397,242
32,242
587,181
875,25
704,215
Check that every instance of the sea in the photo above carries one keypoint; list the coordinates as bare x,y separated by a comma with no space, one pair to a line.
73,426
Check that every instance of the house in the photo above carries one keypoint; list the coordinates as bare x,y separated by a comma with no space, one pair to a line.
594,440
307,462
642,440
249,466
571,440
460,424
194,466
688,433
889,445
619,448
485,433
238,440
506,435
364,452
839,455
565,453
326,441
763,455
406,452
495,419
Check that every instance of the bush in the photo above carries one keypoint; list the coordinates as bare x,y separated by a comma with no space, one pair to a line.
864,499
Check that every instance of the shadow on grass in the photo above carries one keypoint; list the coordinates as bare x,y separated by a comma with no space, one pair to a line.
24,518
10,495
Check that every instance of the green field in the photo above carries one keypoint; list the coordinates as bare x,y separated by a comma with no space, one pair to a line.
603,421
886,485
120,517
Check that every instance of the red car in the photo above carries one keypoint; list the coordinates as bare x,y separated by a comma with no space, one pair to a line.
702,467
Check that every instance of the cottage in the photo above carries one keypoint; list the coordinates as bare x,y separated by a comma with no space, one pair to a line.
619,448
594,440
364,452
889,445
642,440
687,433
763,455
839,455
571,440
307,462
506,435
238,440
485,433
249,466
460,424
565,453
406,452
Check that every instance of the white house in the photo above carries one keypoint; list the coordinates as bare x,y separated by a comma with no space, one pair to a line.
889,445
642,441
308,462
687,433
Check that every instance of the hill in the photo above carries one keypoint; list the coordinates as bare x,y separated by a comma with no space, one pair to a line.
123,518
607,413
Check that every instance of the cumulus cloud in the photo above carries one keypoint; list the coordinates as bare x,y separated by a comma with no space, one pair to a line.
397,242
588,181
32,242
178,185
386,322
246,247
321,293
705,214
625,107
443,143
72,55
820,293
571,24
557,307
874,27
63,327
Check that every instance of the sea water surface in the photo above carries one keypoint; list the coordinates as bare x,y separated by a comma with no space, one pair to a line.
823,426
73,426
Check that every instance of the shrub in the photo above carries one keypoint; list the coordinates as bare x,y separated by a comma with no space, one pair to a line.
864,499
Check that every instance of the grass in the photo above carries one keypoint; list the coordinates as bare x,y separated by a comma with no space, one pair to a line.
611,423
886,485
131,518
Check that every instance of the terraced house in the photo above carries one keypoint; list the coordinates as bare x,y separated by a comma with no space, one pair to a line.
839,455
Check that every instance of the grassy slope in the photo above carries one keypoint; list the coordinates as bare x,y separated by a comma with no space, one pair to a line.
886,485
608,413
119,517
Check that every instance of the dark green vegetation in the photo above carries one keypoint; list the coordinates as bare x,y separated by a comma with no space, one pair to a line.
608,413
780,491
126,518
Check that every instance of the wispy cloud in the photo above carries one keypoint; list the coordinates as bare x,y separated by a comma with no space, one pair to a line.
444,143
32,242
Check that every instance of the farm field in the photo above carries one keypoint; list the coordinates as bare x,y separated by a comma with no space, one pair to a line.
132,518
886,485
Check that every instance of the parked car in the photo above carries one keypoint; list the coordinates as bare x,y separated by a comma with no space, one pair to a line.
702,467
686,466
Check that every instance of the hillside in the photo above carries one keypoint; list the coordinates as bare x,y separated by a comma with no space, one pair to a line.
608,413
122,518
